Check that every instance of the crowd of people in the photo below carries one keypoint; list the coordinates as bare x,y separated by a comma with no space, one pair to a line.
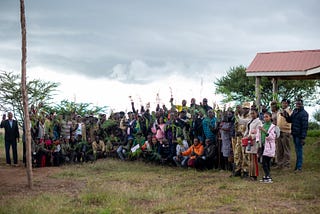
196,136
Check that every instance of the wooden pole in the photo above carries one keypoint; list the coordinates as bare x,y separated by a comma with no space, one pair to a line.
26,118
258,92
275,88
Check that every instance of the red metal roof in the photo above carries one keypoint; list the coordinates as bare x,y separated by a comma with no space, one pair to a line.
285,61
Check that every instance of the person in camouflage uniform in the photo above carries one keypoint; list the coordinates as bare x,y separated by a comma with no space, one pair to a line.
112,144
98,147
241,159
66,151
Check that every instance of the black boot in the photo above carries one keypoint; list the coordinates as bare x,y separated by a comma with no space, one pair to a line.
245,175
237,173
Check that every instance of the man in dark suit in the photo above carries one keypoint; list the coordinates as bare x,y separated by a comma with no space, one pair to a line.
11,137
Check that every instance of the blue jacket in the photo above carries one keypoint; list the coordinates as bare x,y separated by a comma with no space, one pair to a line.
208,125
299,120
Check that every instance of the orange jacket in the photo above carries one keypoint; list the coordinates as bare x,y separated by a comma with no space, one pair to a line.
198,150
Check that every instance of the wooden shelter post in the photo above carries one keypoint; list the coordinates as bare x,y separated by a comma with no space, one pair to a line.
274,86
258,91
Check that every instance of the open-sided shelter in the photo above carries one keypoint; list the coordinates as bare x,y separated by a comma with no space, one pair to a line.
284,65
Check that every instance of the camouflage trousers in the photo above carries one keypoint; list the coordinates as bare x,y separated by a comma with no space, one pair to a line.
241,159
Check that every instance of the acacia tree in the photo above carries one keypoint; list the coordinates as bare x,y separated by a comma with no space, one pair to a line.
236,86
38,91
68,107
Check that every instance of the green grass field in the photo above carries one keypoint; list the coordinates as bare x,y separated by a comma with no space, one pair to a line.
113,186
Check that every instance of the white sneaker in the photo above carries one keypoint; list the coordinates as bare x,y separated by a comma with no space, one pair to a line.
268,180
263,179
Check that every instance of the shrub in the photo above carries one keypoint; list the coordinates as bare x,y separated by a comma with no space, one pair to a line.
313,133
314,126
316,115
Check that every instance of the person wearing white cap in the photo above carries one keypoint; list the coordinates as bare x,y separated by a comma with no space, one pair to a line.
241,159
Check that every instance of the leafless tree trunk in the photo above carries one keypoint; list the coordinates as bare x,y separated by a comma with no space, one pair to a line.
25,95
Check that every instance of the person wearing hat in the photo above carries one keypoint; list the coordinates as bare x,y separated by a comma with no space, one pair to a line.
241,159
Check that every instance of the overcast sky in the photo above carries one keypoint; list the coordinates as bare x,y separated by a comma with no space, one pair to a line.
103,51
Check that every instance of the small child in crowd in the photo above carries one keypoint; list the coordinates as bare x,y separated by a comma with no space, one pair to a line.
267,137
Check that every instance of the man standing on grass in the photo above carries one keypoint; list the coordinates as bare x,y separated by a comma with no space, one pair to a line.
283,143
11,137
299,126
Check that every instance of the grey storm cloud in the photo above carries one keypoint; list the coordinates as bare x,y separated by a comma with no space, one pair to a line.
140,41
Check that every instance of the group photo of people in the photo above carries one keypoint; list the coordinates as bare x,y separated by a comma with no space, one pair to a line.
186,136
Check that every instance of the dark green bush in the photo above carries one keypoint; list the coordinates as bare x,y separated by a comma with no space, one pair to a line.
313,133
314,126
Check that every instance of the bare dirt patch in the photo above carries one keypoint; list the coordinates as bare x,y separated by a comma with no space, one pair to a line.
13,181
